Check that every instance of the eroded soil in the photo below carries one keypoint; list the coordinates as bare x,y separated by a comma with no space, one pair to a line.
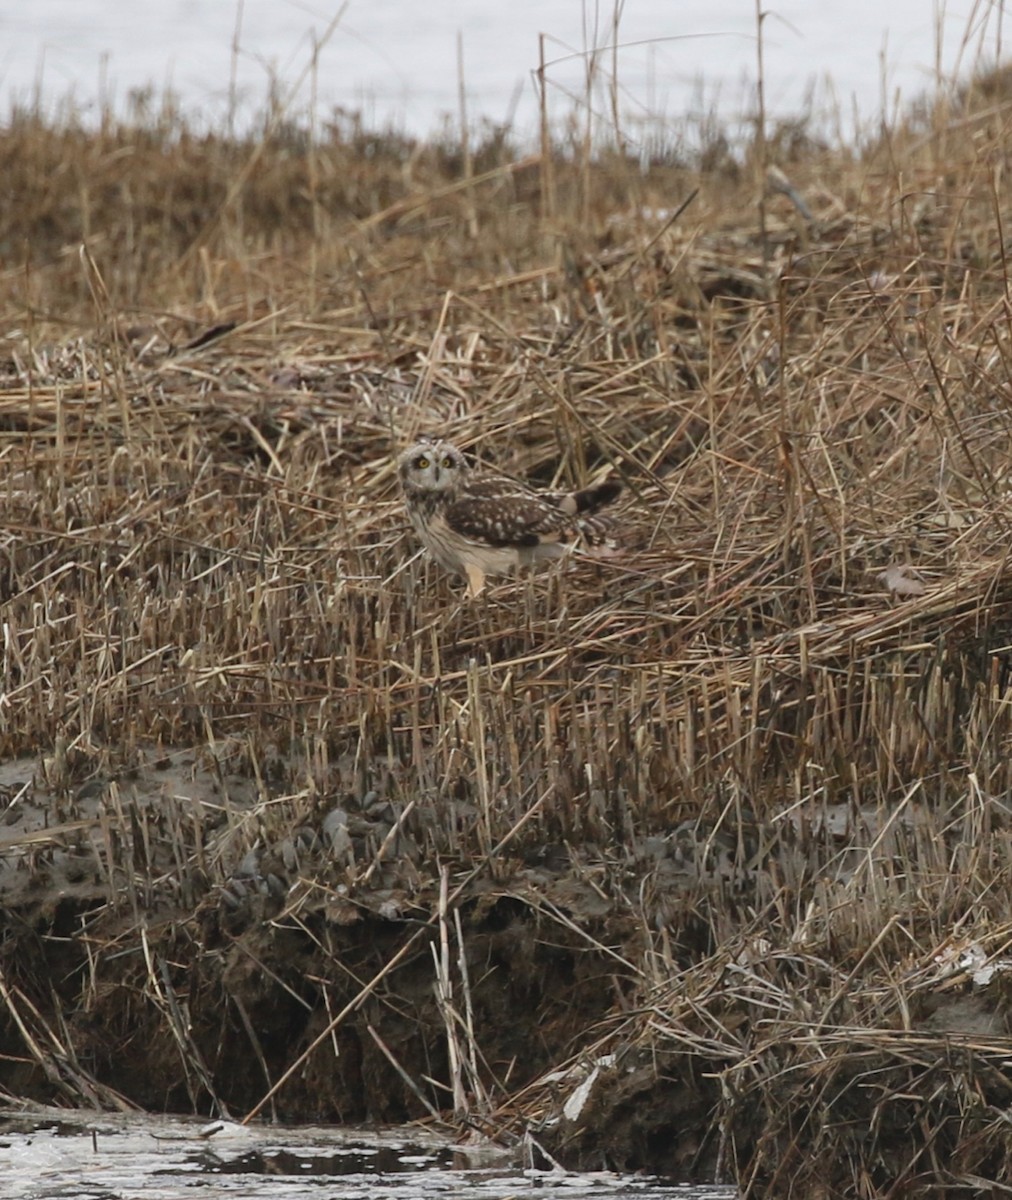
168,945
175,939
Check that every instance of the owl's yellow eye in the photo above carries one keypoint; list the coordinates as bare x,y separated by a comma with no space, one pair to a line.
421,463
447,461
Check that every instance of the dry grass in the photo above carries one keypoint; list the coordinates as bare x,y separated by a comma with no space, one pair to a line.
203,546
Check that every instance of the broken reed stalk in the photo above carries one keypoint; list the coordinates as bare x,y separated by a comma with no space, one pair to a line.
258,1049
56,1057
546,172
760,129
164,996
465,139
388,841
476,710
443,986
467,1024
391,964
409,1082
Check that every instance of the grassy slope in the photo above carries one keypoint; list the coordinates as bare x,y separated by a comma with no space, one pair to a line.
205,547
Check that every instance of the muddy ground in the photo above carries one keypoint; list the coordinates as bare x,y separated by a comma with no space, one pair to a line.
177,990
149,962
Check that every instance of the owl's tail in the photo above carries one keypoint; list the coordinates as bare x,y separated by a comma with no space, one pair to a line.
593,532
598,534
593,499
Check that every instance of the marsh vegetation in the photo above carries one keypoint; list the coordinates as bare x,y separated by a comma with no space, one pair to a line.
695,859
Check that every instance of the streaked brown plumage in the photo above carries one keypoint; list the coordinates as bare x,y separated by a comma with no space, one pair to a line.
478,523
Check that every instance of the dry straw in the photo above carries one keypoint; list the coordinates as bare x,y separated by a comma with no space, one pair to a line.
740,797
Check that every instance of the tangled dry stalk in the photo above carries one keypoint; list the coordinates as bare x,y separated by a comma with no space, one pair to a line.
755,775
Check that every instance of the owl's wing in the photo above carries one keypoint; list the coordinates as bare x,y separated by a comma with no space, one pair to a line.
517,519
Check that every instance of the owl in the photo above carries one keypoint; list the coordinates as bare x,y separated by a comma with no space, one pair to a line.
479,523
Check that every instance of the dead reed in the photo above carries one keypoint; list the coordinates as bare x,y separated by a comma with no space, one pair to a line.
740,799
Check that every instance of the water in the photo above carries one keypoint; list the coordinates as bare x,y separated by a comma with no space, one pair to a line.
397,60
59,1155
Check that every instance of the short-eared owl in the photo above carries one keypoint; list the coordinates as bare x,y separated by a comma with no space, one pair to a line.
478,523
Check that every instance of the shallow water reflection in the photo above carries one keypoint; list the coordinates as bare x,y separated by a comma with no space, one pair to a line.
54,1155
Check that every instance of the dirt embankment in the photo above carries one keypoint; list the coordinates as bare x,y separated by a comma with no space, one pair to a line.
134,978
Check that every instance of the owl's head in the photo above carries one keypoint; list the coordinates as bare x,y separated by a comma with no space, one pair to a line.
431,466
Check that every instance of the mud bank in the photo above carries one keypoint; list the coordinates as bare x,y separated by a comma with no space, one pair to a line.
333,972
146,962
